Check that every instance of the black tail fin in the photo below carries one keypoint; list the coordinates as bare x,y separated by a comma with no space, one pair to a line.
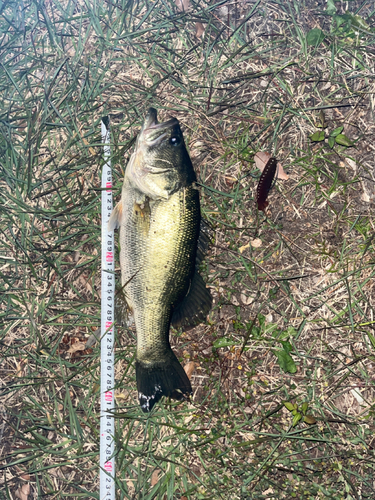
155,380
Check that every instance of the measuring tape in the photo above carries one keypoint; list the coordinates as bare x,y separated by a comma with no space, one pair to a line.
107,376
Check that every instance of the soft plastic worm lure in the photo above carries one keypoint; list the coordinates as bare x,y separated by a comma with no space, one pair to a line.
265,183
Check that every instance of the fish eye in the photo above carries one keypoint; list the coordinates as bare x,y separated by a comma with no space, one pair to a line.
174,141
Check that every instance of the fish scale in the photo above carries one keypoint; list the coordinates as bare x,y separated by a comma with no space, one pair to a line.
166,252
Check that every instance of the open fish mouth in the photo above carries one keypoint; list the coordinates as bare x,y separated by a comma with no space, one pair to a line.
153,132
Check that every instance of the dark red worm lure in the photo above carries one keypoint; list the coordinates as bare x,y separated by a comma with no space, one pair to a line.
265,183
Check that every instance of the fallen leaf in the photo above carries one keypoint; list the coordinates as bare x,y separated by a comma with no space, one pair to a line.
182,5
256,243
365,197
155,477
77,346
189,369
352,164
358,396
262,157
199,30
243,248
245,299
235,300
19,368
23,492
309,419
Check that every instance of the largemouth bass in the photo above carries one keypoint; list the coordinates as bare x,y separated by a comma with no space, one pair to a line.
160,249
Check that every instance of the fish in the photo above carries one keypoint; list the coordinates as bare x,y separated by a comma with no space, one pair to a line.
265,183
163,240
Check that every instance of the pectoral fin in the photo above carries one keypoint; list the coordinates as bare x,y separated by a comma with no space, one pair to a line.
194,307
115,219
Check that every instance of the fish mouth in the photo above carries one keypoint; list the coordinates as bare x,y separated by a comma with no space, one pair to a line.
153,132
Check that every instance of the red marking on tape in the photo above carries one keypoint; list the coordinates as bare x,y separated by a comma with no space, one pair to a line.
109,257
108,396
108,466
108,186
108,324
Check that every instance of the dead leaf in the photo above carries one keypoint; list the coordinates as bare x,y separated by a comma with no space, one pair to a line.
257,243
365,196
242,249
235,300
262,157
352,164
199,30
182,5
357,395
189,369
309,419
77,346
155,477
245,299
23,492
19,368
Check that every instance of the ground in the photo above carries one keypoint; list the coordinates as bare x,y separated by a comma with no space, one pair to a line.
282,370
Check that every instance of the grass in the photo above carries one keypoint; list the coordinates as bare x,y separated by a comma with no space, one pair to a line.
283,404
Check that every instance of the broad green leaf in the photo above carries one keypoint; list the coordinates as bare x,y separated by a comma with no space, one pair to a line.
287,346
262,320
318,136
343,140
304,407
354,21
340,20
288,406
315,37
331,142
223,342
331,8
359,22
286,362
297,417
309,419
292,332
336,132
